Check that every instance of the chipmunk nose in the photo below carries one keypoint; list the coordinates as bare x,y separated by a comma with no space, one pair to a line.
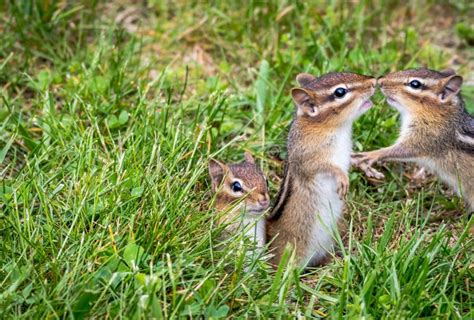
380,80
374,82
264,201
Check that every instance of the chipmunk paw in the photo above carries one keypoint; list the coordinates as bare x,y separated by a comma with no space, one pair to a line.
364,161
342,186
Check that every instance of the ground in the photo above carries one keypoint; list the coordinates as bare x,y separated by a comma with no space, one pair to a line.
110,111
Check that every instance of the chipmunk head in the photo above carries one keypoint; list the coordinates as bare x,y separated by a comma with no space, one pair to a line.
339,97
242,183
422,91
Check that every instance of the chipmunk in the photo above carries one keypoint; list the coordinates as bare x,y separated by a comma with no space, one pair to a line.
242,192
436,131
310,201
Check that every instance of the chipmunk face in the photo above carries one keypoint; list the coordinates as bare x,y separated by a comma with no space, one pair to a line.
242,182
338,97
421,91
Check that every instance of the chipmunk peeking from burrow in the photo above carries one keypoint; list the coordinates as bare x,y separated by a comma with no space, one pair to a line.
436,131
310,201
241,197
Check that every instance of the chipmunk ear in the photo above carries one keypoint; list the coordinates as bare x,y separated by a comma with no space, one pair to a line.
448,72
451,87
304,79
248,157
217,172
304,102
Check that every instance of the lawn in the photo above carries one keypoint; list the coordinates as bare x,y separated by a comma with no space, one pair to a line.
110,111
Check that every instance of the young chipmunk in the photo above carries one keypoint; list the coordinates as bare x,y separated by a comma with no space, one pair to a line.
243,193
310,201
436,131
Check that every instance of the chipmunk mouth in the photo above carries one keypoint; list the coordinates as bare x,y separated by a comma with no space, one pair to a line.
366,105
256,210
395,104
391,101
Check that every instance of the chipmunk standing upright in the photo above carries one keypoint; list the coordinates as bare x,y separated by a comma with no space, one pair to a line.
241,191
319,145
436,132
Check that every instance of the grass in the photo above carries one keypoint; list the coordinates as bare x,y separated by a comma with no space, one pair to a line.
110,111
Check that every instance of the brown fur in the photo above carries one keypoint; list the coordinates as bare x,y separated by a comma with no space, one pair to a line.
438,117
311,148
254,198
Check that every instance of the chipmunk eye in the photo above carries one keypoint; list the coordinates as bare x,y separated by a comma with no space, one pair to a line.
236,186
415,84
340,92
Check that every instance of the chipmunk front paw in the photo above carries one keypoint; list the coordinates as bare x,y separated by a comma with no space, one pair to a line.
373,173
367,158
342,185
364,161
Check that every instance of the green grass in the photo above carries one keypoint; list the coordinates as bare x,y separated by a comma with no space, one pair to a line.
106,131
